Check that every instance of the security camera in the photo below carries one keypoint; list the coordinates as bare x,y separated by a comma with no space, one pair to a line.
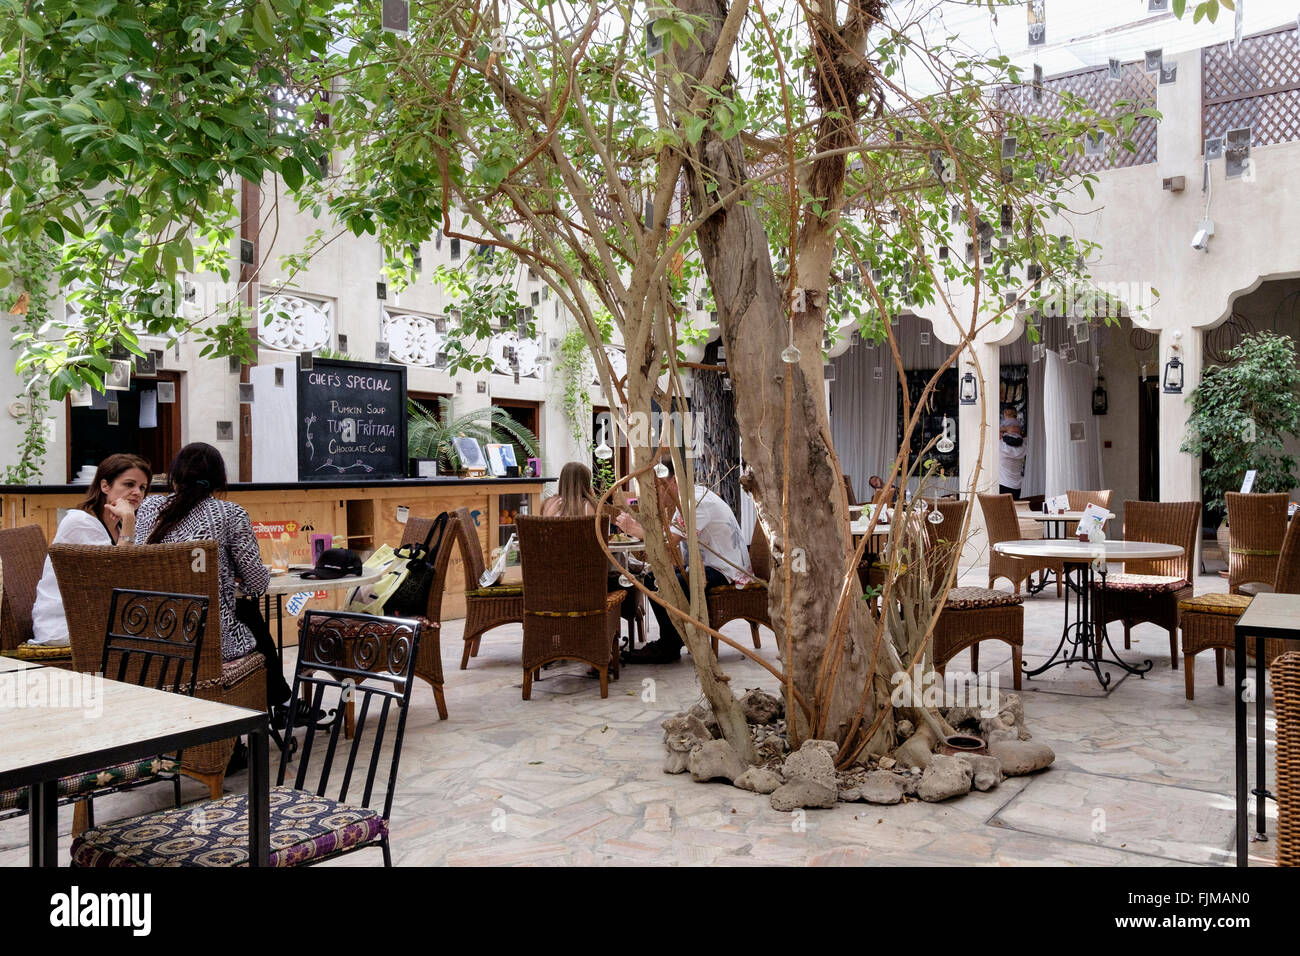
1201,241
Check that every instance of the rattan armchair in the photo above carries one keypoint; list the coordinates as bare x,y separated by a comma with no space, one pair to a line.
87,575
22,555
485,608
429,665
1286,702
569,613
969,614
1256,526
1151,591
1001,524
1208,621
728,602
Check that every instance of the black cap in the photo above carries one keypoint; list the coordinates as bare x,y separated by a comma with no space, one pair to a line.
335,563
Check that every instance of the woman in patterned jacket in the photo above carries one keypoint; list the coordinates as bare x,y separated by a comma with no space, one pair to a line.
191,513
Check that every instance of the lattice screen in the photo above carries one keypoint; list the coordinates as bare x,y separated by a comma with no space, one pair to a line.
1258,86
1101,93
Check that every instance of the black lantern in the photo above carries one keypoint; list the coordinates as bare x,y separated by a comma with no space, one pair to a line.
1099,400
969,391
1173,378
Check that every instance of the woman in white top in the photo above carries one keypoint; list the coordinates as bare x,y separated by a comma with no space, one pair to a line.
106,516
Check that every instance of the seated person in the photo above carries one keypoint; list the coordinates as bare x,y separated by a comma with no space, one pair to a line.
722,550
106,516
574,496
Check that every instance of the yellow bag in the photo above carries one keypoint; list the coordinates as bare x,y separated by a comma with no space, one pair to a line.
370,598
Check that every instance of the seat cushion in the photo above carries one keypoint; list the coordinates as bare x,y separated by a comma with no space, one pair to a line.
497,590
965,599
88,783
747,586
232,672
39,652
1229,605
304,828
1150,583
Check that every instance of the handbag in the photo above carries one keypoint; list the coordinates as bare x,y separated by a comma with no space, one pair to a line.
411,597
371,598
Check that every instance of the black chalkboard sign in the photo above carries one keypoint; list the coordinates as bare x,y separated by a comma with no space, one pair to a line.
351,421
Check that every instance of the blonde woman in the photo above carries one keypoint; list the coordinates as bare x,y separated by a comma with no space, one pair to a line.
574,498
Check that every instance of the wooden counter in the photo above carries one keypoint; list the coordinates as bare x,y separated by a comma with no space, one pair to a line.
366,513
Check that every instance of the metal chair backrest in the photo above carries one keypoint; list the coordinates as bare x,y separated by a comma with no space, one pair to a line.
369,661
22,553
565,569
87,575
148,629
1163,522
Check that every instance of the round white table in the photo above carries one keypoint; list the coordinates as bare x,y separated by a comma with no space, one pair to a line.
1084,561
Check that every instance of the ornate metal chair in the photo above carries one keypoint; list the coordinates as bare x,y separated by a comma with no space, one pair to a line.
569,613
368,660
154,640
485,608
86,575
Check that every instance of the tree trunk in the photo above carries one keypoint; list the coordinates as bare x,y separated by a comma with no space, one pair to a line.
810,538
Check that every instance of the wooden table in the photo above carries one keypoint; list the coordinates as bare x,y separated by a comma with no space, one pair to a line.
1275,616
106,723
1081,562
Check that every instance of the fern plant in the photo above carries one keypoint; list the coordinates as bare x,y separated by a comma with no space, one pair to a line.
429,437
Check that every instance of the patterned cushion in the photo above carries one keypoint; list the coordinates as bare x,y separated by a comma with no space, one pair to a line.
88,783
1150,583
1230,605
232,672
304,828
965,599
748,586
38,652
497,590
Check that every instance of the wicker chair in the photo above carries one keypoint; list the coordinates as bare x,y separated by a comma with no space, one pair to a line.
1256,526
22,555
848,490
1286,702
728,602
569,613
87,575
369,659
429,665
1001,524
971,614
1208,620
485,608
1150,591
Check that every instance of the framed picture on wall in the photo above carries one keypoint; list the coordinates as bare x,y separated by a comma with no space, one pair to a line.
1077,431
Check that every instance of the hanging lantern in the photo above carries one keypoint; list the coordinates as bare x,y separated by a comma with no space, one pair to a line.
969,390
1173,377
1099,399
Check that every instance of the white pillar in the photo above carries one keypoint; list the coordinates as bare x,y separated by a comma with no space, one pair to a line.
984,413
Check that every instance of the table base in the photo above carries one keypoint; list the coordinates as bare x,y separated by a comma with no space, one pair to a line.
1087,639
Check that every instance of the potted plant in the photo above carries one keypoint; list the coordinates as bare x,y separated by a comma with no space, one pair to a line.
430,437
1241,413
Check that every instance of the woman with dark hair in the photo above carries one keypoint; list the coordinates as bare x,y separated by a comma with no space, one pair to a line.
106,516
191,513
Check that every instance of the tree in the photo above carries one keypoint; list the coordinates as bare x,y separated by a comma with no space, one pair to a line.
814,184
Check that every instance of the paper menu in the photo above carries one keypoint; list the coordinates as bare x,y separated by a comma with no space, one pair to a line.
1057,504
1093,523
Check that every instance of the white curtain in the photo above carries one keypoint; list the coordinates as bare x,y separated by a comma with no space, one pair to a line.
1073,448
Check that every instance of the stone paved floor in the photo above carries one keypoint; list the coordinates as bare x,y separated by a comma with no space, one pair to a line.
1142,776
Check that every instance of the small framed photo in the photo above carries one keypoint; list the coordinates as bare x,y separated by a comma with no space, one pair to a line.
1094,143
146,366
381,351
1077,431
81,398
119,376
1153,60
654,45
470,454
225,431
877,373
1008,147
245,393
167,393
114,414
1168,73
1115,68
